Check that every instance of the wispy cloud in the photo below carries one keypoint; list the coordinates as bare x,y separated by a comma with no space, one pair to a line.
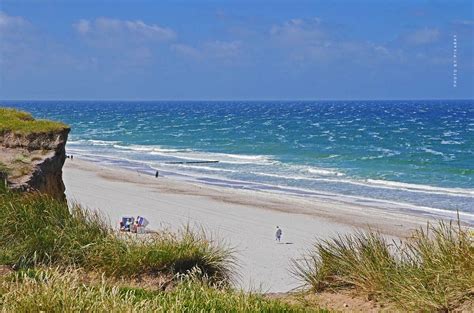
15,43
26,52
123,45
11,23
222,50
108,28
422,36
82,26
313,41
186,50
299,30
469,23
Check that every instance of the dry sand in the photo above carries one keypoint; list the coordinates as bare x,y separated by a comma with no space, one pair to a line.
243,219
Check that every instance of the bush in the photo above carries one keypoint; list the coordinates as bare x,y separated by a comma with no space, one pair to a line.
432,270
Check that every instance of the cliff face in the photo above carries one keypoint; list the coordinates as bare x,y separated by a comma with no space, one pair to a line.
33,161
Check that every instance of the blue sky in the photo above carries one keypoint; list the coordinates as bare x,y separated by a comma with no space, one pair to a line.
235,49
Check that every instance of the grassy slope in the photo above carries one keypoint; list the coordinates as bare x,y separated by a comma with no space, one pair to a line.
432,271
55,253
53,291
23,123
35,230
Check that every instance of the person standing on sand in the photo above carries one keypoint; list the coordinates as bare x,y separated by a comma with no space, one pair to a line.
278,234
157,174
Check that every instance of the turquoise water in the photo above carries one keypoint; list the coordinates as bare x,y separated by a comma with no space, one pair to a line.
418,153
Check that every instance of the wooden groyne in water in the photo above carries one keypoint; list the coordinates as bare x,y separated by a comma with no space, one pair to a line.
191,162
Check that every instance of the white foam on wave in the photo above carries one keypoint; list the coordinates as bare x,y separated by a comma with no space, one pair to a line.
451,142
92,142
185,154
189,154
385,153
434,152
335,196
149,149
421,188
288,171
323,172
381,203
282,176
215,156
196,167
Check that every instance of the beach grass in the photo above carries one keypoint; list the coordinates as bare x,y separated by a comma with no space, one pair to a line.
23,123
433,270
38,230
66,259
65,291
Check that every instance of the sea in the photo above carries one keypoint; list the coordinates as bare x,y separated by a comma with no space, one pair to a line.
397,155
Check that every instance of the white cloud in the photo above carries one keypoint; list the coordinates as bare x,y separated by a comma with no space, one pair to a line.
422,36
25,51
82,26
103,28
299,30
8,22
186,50
464,22
150,31
15,40
223,50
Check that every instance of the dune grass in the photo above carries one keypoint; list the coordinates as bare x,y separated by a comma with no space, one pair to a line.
37,230
433,270
65,291
21,122
68,260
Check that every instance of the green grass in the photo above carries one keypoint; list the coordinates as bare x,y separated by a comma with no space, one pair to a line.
431,271
68,260
19,122
37,230
4,168
59,291
5,171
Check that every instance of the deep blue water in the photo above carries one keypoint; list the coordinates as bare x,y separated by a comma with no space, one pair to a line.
419,153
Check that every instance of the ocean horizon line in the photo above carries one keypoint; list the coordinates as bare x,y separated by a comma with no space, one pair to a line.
244,100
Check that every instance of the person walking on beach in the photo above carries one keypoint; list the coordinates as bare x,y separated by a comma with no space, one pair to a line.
278,234
157,174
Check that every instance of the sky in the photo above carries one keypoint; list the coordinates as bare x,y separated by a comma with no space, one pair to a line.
236,50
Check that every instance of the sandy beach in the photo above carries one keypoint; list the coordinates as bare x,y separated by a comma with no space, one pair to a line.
243,219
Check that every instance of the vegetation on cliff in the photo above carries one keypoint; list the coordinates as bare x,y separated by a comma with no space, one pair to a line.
433,270
32,153
23,123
